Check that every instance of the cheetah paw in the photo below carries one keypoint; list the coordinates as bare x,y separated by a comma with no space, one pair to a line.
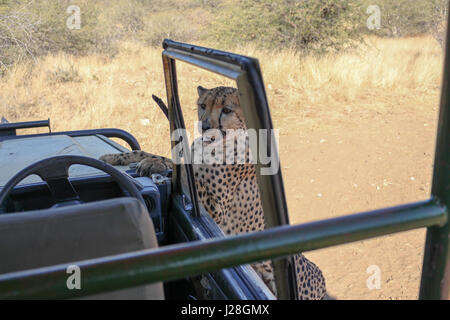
112,159
147,166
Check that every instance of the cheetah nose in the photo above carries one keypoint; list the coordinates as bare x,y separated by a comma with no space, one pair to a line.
205,125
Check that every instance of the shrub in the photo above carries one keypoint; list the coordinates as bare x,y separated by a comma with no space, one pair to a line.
63,74
321,25
30,29
170,25
410,17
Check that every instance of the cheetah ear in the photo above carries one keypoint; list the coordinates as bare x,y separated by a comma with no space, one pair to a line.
201,90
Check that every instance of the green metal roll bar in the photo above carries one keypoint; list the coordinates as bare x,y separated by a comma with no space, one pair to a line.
182,260
193,258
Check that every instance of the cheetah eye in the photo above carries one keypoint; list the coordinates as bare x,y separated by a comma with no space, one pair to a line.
227,110
203,106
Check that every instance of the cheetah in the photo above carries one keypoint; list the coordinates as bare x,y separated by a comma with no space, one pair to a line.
229,192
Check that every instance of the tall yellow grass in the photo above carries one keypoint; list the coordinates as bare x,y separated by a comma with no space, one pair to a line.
96,91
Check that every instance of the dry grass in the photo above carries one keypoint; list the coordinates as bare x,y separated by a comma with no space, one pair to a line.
96,91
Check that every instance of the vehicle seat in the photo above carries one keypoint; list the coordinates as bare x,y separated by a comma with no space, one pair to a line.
48,237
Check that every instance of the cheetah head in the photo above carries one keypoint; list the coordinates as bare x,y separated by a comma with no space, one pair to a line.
219,108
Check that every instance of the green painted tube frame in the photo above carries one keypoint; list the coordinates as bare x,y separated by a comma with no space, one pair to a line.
187,259
435,282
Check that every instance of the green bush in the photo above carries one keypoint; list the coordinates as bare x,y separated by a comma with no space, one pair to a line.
411,17
30,29
170,25
320,25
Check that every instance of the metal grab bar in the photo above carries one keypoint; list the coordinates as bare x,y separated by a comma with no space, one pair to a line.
188,259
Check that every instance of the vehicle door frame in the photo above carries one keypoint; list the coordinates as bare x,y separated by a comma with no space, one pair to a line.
247,74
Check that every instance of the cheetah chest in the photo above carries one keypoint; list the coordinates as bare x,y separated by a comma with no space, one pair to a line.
230,194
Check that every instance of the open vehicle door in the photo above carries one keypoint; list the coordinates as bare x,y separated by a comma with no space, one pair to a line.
189,216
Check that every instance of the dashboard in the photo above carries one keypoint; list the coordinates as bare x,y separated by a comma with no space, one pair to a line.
91,184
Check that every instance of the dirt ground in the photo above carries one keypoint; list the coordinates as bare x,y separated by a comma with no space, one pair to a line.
356,162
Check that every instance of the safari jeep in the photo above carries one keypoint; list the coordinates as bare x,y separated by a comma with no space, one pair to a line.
64,213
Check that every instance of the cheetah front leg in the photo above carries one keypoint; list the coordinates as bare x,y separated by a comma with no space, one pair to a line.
310,280
148,166
125,158
147,163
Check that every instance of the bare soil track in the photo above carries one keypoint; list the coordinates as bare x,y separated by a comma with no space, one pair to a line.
369,160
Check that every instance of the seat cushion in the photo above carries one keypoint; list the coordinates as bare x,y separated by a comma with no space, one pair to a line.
53,236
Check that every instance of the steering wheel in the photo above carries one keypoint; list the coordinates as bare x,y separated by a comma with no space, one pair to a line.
55,172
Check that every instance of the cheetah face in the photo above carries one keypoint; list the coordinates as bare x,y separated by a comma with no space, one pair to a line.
219,108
